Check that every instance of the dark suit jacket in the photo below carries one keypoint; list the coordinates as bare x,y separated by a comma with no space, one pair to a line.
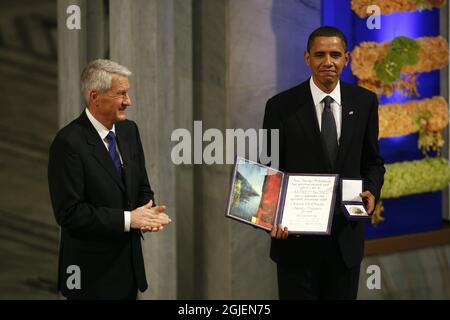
89,199
302,151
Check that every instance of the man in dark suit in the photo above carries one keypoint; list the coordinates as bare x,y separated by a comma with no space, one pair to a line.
100,192
326,126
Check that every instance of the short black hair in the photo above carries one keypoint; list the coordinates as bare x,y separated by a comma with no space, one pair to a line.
327,31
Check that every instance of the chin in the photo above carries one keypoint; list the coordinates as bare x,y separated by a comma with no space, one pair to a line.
121,117
329,80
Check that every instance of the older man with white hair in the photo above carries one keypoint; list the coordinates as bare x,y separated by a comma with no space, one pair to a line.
100,192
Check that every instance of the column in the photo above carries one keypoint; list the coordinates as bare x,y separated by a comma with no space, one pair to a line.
152,38
244,53
76,48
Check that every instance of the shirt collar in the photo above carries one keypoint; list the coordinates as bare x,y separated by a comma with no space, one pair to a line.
101,129
318,94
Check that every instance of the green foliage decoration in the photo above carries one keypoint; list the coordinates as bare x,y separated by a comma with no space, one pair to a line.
413,177
422,4
429,141
402,51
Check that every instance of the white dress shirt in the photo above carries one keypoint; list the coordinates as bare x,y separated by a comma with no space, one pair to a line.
103,132
336,106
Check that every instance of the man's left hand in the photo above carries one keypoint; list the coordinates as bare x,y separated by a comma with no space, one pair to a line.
159,209
151,229
369,201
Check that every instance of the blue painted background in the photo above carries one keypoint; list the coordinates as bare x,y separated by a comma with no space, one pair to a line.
414,213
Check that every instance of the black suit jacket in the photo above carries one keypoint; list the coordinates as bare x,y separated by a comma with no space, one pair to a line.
302,151
89,199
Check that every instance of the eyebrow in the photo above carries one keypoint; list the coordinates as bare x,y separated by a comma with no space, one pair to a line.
332,52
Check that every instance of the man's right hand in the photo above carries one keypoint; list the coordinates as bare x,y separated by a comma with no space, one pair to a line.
278,232
148,218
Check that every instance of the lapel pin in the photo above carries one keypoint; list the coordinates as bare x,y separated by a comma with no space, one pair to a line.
350,113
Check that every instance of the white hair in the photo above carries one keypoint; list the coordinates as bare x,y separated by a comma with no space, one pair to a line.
97,75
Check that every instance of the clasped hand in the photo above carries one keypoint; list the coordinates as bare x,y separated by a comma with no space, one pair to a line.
149,218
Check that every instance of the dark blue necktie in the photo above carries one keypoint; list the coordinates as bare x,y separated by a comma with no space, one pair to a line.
329,132
113,152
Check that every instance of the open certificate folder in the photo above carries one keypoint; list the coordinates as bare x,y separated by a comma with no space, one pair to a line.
262,196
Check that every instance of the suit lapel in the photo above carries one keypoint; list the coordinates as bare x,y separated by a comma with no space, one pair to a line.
99,150
347,126
307,117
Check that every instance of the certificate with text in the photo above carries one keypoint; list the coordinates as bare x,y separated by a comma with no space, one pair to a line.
262,196
308,203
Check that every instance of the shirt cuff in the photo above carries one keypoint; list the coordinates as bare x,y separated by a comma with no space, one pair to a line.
127,216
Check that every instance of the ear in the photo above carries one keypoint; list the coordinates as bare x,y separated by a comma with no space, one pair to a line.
307,56
93,96
347,57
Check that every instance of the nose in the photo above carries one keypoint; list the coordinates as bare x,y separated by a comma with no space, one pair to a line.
328,60
127,100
